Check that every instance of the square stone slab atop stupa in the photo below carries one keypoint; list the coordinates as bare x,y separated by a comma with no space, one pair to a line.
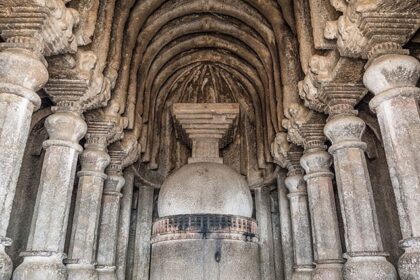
206,128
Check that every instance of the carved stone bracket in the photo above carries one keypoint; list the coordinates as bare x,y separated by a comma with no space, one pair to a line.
123,153
333,86
306,128
104,128
286,155
45,27
368,29
74,85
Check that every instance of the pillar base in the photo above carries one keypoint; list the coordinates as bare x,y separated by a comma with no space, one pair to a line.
106,272
332,270
368,266
41,266
6,265
409,263
77,271
302,273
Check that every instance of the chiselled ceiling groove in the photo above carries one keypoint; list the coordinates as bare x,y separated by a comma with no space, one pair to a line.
240,51
181,30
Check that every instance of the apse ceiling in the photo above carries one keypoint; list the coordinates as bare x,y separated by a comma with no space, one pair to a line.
204,51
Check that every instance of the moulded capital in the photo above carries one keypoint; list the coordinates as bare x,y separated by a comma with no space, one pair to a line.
94,160
391,71
319,161
20,67
114,183
296,184
343,128
66,126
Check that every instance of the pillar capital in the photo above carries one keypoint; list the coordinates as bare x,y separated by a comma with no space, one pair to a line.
345,132
63,126
316,164
22,74
296,185
391,76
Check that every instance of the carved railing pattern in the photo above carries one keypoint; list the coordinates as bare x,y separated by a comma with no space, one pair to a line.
204,226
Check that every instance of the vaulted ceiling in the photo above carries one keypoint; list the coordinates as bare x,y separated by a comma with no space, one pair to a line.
242,51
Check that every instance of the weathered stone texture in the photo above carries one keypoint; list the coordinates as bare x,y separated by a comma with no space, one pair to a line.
196,259
199,102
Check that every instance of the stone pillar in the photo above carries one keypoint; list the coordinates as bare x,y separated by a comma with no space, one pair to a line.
265,232
326,235
94,160
307,130
285,229
301,229
275,222
143,233
22,72
108,228
365,257
393,78
124,225
43,259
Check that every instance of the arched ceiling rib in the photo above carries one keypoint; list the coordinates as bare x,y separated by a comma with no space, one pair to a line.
204,50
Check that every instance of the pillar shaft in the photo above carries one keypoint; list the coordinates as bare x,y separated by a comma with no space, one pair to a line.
83,242
301,229
143,233
108,228
365,257
49,223
286,229
393,79
265,233
21,74
124,227
325,230
275,222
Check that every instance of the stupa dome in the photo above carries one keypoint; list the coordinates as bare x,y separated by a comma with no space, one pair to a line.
205,188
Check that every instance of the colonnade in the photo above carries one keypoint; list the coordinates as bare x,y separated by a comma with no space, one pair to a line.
308,216
78,91
392,78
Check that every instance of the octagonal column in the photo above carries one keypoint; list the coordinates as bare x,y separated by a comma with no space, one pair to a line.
143,233
326,235
365,257
22,73
124,224
301,228
393,78
306,129
108,228
285,228
83,242
43,259
265,232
